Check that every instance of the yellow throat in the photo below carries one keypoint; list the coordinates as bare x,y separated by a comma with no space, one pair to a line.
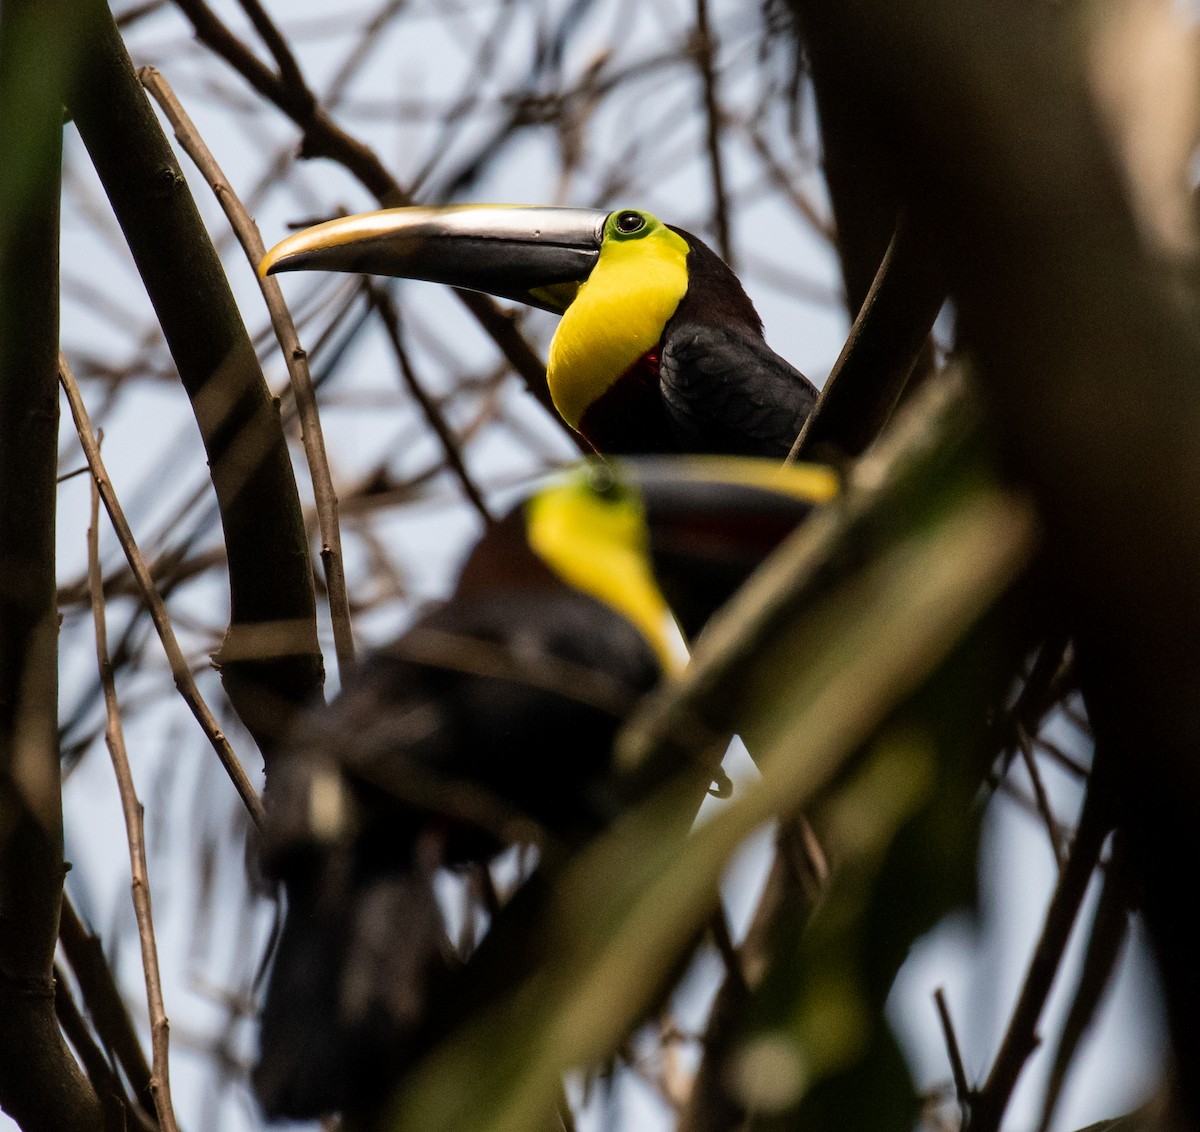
619,312
596,541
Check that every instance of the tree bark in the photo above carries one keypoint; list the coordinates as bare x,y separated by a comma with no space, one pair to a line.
40,1084
985,116
270,661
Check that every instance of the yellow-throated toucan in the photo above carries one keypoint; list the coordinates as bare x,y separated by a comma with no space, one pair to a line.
659,348
491,721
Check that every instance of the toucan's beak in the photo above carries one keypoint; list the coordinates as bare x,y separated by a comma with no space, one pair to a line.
713,519
532,254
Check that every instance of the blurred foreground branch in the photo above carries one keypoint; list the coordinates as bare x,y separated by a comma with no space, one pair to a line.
629,905
987,125
41,1085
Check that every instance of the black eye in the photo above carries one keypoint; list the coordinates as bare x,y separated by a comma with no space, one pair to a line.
630,222
605,483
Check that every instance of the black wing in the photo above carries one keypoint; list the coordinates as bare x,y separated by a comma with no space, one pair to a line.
500,705
727,391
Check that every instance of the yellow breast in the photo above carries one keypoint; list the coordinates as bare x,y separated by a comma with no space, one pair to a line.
618,315
601,547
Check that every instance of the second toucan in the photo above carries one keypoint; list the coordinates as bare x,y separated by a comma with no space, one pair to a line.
491,721
659,348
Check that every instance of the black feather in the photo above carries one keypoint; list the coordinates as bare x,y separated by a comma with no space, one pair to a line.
422,764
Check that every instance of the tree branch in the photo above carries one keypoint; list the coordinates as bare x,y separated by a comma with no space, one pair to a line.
41,1085
325,138
271,664
180,670
102,997
1021,1038
295,356
160,1077
888,337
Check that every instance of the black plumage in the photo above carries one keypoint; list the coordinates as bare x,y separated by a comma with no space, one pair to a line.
490,722
493,716
711,385
724,389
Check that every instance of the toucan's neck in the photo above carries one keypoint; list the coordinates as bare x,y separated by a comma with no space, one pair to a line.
603,551
715,296
629,417
618,316
561,539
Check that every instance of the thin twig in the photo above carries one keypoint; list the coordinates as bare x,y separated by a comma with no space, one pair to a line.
1021,1038
962,1090
184,680
704,50
281,51
100,1072
1068,762
102,997
1105,940
382,302
294,354
1043,799
323,137
160,1075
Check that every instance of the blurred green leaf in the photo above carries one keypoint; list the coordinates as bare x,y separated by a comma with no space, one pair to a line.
630,905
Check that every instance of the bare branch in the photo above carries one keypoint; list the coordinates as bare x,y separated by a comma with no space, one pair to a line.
270,660
102,997
704,50
886,341
184,680
41,1085
324,138
1021,1037
294,355
1109,931
962,1090
1042,798
160,1077
454,457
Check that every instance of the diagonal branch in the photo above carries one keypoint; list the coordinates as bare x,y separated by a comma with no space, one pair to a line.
1021,1038
323,137
102,997
885,343
270,660
180,670
704,51
382,302
294,355
160,1078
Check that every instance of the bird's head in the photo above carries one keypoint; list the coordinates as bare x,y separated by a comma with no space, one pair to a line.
616,278
651,538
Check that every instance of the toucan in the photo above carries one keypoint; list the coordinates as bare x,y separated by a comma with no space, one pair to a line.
659,348
489,723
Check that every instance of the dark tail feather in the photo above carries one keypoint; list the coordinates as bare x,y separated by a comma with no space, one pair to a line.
348,992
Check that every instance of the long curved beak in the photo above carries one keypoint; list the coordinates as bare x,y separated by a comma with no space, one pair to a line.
713,519
532,254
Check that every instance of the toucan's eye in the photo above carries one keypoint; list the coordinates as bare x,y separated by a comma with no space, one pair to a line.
605,483
630,222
